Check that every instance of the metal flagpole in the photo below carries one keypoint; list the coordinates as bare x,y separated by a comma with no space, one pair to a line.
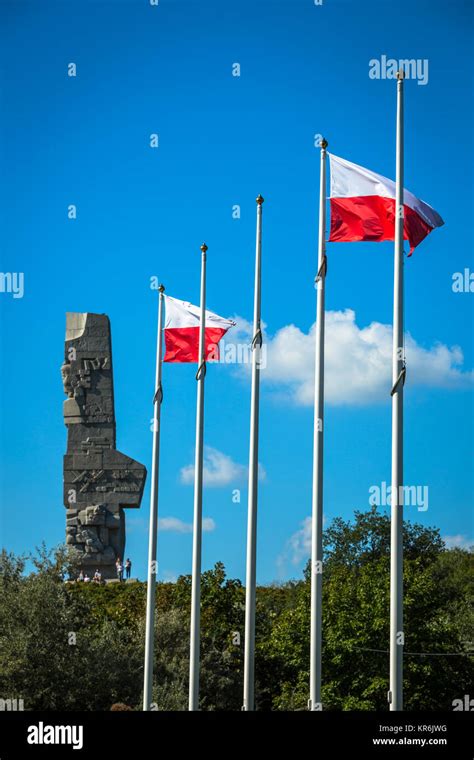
152,566
398,378
249,656
197,527
317,521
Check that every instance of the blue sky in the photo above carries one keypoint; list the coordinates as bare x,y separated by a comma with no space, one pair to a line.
143,212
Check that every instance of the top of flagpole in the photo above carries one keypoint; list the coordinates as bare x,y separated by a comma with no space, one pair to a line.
204,248
400,75
161,288
259,200
324,143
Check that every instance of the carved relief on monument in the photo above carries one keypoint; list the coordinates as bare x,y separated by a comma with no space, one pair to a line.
99,481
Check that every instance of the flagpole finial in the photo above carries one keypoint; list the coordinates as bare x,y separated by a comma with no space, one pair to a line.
204,248
400,75
259,200
161,288
324,143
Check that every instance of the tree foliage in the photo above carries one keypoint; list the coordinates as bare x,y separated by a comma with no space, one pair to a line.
78,646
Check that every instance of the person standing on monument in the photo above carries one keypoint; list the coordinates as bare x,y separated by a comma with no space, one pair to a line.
119,567
128,567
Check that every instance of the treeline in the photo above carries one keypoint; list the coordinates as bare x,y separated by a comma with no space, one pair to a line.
75,646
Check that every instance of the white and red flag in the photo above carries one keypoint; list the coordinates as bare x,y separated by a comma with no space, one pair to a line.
363,207
182,327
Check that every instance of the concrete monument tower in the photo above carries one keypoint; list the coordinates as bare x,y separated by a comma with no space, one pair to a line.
99,481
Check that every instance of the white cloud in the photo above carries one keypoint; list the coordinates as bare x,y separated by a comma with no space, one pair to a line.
297,549
208,524
357,362
175,525
218,470
242,331
459,541
299,544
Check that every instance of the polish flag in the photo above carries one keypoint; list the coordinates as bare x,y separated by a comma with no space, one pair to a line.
182,331
363,207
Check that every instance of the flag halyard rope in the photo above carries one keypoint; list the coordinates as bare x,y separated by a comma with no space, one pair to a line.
158,397
257,339
201,370
400,379
323,269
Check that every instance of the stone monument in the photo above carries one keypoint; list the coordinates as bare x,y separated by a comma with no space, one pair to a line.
99,481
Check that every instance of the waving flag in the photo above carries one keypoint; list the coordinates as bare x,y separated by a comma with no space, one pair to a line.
363,207
182,331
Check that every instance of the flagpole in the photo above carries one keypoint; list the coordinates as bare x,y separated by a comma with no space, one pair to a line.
152,540
250,592
197,527
398,377
318,440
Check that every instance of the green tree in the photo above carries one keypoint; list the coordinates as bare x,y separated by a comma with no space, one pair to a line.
356,621
50,654
76,646
222,621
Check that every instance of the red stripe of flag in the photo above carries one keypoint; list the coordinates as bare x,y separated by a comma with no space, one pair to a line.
182,343
372,218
